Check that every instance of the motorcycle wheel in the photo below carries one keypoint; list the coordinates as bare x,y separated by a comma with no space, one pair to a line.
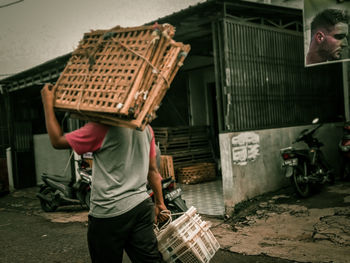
48,206
345,173
328,169
87,199
302,188
332,178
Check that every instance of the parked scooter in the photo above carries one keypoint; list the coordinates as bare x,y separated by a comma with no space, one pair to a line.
54,192
307,168
171,195
344,147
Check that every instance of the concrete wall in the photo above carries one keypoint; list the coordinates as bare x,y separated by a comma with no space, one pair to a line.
49,160
251,162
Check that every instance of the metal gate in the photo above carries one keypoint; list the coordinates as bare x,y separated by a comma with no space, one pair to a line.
23,155
263,82
4,140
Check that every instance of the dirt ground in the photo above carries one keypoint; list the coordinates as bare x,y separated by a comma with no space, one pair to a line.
274,228
316,229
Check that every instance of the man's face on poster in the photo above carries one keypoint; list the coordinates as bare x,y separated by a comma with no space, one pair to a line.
334,43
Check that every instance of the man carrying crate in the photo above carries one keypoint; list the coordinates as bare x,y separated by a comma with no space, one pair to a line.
121,213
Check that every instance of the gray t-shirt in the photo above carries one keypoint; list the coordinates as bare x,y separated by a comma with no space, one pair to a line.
120,166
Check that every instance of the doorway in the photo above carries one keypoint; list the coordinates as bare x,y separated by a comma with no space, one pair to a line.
207,196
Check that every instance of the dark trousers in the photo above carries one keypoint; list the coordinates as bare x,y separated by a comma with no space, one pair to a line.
132,231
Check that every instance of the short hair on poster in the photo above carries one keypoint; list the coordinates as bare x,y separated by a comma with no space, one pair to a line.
326,31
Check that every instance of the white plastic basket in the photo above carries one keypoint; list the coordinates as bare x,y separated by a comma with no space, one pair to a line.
187,239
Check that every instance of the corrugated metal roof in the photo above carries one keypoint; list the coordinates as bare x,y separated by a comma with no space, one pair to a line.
25,73
240,5
45,72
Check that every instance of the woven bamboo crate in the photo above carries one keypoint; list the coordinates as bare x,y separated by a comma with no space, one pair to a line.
119,76
197,173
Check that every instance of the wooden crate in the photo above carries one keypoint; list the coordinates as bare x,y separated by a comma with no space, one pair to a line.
187,145
119,76
196,173
89,161
166,166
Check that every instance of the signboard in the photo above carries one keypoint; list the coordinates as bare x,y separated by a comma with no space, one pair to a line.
326,31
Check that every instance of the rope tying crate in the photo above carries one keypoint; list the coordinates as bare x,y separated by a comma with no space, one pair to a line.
119,76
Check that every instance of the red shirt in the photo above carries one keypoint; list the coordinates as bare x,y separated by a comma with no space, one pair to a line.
89,138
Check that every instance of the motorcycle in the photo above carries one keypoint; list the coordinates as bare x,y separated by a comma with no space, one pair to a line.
171,195
344,147
307,167
54,192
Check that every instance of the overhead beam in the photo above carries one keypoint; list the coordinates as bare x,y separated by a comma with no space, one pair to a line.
36,79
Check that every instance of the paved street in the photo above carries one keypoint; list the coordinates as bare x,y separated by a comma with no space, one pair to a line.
276,228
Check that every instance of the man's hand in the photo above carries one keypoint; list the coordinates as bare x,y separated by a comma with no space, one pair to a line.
54,130
160,217
48,95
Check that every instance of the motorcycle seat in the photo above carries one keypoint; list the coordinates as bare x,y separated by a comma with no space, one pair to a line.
302,152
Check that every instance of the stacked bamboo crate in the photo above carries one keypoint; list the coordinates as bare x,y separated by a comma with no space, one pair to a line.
119,76
197,173
191,150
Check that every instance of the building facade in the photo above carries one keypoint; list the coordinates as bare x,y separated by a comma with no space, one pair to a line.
244,79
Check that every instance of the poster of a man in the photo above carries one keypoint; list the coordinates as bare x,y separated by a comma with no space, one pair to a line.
326,31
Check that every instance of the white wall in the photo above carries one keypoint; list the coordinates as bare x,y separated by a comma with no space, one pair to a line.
262,172
49,160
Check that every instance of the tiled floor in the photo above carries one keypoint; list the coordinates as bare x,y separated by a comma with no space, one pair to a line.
207,197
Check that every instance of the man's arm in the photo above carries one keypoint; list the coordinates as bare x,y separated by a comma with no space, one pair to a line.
54,130
155,181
